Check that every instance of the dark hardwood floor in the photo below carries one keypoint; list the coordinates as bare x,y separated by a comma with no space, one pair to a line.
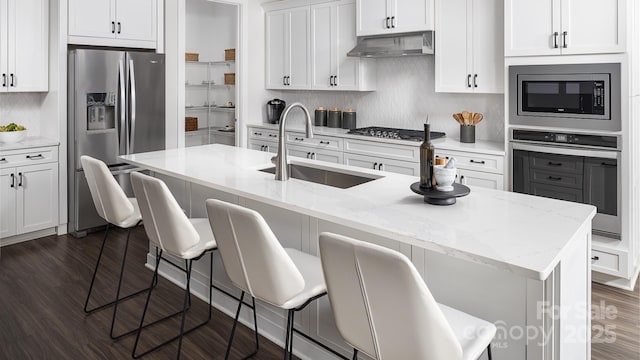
43,285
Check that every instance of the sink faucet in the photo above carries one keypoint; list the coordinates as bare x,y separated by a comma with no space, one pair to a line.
280,160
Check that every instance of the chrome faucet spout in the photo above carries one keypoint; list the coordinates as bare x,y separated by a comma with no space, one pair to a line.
280,160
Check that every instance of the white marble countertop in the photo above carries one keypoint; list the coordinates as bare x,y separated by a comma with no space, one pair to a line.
523,234
29,142
446,143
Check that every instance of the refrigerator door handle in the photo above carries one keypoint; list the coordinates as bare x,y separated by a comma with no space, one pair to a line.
132,104
122,104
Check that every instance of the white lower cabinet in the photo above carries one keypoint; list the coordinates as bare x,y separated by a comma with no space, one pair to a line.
28,193
481,179
315,154
382,164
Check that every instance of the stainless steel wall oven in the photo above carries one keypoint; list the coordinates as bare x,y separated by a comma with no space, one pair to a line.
581,168
579,96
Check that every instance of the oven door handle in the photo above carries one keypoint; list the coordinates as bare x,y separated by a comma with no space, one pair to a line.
566,150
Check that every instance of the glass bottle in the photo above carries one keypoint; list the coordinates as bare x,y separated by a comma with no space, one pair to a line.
426,160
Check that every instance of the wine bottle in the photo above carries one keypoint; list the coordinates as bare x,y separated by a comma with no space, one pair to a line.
426,160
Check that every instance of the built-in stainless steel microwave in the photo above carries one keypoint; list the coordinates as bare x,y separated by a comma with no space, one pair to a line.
575,96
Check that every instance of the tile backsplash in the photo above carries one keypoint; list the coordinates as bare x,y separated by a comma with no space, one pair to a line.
23,109
405,95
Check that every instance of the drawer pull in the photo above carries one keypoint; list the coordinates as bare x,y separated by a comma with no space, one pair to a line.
375,165
299,139
257,133
35,157
551,163
308,155
554,178
272,135
595,258
325,142
20,181
380,167
482,162
13,181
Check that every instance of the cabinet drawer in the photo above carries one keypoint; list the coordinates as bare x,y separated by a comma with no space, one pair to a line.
263,134
557,192
556,179
556,163
482,179
28,157
385,150
472,161
382,164
605,262
317,142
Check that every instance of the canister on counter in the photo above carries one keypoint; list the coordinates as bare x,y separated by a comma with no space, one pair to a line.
349,119
321,117
335,118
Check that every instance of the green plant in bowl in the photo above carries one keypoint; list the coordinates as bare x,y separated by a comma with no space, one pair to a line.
12,133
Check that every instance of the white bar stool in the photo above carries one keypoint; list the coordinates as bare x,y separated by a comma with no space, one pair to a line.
117,210
169,229
383,308
257,264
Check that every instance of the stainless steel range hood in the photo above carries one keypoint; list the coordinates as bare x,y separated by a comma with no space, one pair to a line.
420,43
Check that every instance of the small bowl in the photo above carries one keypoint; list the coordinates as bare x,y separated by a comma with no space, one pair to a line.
10,137
444,177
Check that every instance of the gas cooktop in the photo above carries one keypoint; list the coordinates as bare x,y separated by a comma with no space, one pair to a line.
393,133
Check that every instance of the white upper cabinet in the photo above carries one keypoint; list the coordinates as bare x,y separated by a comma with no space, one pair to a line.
125,23
306,48
288,49
24,45
333,35
376,17
557,27
469,52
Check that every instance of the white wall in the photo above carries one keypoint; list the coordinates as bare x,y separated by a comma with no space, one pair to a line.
23,109
210,29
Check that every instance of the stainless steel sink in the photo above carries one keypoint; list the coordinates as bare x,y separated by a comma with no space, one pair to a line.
337,179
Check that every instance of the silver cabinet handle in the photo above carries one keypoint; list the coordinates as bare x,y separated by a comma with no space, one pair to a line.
35,157
257,133
113,27
331,80
308,155
564,39
4,80
375,165
272,135
13,80
555,40
298,139
335,80
13,181
393,22
380,167
325,142
121,105
119,27
468,80
482,162
20,181
284,80
475,80
387,22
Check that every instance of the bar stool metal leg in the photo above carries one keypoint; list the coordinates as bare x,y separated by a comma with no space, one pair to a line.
355,354
489,352
235,324
93,278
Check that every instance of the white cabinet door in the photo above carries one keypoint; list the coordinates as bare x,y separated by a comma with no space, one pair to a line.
328,156
347,68
412,15
453,54
277,64
482,179
593,26
265,146
92,18
28,45
136,20
7,203
37,197
487,18
372,17
323,50
532,27
4,45
298,48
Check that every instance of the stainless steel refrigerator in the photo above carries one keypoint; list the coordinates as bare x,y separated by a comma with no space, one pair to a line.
116,105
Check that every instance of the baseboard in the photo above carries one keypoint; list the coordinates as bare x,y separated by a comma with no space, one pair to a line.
62,229
617,282
27,237
303,348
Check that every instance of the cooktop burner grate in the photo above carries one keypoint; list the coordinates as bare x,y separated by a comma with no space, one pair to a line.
393,133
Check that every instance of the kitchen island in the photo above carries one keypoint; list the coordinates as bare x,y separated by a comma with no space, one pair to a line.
520,261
